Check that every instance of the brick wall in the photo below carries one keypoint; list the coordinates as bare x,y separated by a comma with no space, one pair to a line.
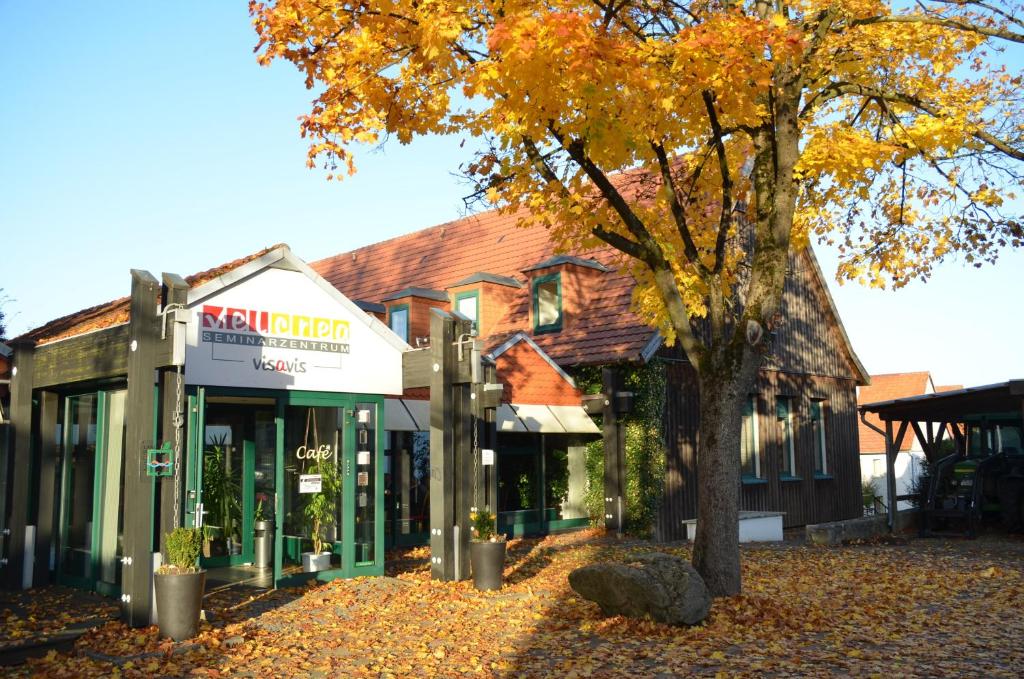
528,378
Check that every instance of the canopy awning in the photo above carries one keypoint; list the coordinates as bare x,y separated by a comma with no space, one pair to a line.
414,415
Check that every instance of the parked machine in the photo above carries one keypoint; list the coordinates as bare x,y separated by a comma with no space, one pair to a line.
985,481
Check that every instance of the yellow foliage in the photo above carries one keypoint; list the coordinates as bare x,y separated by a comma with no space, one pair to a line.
885,111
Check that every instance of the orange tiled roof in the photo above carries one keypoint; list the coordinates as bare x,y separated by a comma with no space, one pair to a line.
116,312
887,388
948,387
440,256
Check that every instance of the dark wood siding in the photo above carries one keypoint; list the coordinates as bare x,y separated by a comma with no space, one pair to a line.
805,499
808,360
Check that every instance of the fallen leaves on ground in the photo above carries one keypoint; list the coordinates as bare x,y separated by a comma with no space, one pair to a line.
935,608
40,614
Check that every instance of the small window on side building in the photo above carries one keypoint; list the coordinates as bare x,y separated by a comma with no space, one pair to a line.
398,320
547,303
468,304
784,418
750,459
818,437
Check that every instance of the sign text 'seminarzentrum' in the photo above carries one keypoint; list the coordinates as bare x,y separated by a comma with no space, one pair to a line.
273,329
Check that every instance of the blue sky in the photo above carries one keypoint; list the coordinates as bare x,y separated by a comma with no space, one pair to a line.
144,135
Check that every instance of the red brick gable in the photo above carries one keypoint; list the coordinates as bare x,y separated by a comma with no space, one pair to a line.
530,379
887,388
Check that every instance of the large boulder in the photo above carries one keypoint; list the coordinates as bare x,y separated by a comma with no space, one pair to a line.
656,585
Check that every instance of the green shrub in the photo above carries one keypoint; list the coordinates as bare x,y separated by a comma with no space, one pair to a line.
483,526
183,548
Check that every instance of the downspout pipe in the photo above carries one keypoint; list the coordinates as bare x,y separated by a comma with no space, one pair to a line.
889,467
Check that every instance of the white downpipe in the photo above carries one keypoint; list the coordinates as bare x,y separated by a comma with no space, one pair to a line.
28,563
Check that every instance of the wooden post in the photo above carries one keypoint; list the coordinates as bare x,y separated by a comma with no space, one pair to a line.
173,291
442,437
137,575
49,473
462,448
614,454
21,438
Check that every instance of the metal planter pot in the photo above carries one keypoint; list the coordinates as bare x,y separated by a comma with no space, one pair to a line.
312,563
179,601
488,562
263,544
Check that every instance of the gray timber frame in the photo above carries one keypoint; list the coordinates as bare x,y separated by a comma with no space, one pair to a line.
21,437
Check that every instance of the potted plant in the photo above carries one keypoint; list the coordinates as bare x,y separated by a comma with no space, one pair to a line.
221,498
486,551
179,585
320,513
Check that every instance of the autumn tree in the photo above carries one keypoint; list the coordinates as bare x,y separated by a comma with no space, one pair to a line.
705,140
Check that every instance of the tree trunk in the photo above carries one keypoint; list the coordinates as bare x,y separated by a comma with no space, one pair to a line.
716,551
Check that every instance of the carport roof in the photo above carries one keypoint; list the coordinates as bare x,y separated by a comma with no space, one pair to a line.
954,406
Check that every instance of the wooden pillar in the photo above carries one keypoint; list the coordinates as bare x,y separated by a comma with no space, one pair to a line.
21,439
614,433
173,291
49,473
463,452
442,438
144,334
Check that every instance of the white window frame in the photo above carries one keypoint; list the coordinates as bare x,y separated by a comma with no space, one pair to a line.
822,452
789,446
756,438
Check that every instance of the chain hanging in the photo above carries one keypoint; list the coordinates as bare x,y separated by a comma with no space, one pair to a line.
177,421
476,457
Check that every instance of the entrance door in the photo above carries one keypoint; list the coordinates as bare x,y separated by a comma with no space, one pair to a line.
330,485
91,437
235,433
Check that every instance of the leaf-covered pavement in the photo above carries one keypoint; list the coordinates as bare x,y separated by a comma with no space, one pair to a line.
928,608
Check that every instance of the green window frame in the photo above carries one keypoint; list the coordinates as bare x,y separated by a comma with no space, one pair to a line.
553,326
469,294
398,308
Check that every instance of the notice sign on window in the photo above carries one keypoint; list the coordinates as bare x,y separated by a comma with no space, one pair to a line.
310,483
486,456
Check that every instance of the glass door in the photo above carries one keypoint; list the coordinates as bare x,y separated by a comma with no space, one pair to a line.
226,482
92,491
329,488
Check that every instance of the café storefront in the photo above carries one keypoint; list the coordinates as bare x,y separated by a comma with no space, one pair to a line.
246,401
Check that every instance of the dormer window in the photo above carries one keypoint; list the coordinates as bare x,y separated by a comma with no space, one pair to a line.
547,303
468,304
398,320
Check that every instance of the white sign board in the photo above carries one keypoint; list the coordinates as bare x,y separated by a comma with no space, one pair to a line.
281,330
310,483
486,456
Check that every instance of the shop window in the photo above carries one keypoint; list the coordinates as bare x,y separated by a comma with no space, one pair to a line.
547,303
784,419
468,304
750,459
398,320
818,437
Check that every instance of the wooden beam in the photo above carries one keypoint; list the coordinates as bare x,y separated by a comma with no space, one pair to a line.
442,439
21,437
417,368
172,395
892,448
614,432
137,576
94,356
49,473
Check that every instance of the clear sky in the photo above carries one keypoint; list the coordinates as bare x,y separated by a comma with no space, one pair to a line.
144,135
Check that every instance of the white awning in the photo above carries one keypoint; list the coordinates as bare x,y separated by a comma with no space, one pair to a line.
508,421
420,411
414,415
575,419
396,416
